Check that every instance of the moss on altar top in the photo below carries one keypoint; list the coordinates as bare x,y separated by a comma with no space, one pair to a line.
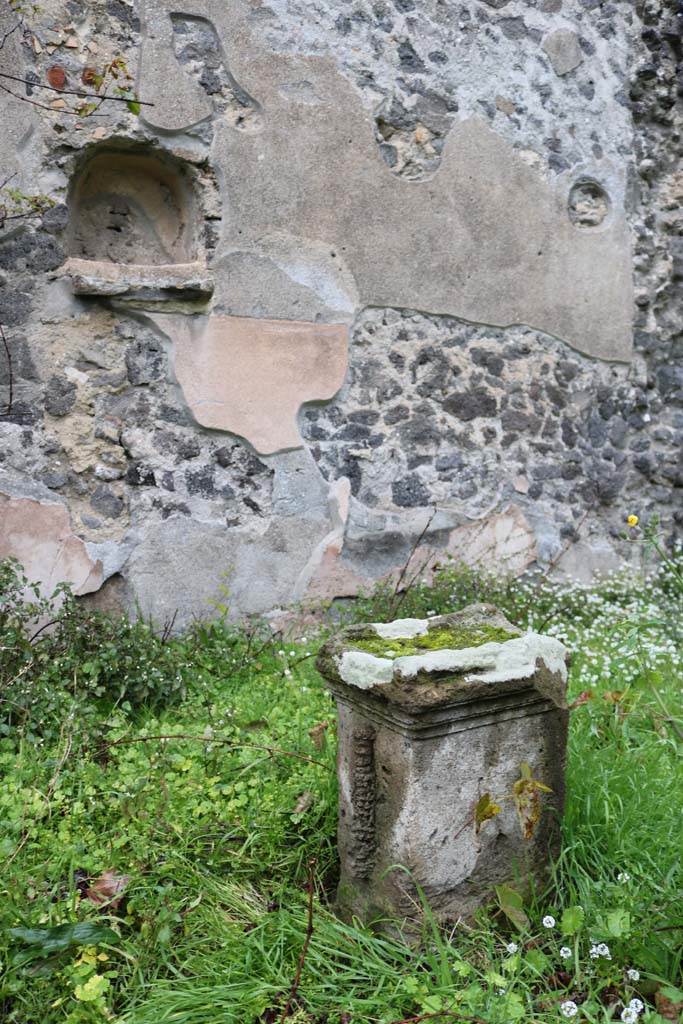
451,638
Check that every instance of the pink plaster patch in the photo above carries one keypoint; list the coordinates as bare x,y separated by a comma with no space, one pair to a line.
251,377
39,536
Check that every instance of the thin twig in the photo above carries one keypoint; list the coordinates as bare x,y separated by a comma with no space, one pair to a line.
566,546
3,184
293,992
75,92
44,106
414,548
215,739
10,396
168,627
10,31
46,625
453,1015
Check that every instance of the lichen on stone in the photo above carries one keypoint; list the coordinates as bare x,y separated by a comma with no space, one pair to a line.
450,638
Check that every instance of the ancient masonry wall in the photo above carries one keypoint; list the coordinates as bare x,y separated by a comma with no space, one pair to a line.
362,266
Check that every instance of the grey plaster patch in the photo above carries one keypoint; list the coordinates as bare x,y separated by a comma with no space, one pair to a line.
390,232
258,563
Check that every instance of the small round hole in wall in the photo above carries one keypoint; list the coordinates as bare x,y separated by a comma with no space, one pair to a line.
588,204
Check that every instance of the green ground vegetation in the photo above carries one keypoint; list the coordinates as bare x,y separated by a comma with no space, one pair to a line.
166,801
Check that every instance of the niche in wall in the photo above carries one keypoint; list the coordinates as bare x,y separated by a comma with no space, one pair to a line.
135,228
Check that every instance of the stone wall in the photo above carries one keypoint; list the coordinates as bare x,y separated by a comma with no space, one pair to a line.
359,268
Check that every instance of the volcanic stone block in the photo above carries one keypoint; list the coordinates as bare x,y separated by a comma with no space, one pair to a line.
433,716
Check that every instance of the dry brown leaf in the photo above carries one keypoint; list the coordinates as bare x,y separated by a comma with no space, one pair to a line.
666,1008
56,76
304,803
526,793
107,890
317,734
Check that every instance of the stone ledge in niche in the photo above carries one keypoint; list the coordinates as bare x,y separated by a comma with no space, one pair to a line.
139,281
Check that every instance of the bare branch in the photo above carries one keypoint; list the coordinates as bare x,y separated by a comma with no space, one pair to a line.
10,397
43,106
74,92
294,991
215,740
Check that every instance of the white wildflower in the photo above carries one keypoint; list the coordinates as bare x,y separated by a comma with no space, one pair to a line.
569,1008
629,1016
594,953
548,921
512,947
632,974
636,1004
603,950
623,877
566,953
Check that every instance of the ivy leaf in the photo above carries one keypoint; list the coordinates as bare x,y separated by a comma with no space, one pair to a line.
46,941
572,919
510,902
93,989
485,810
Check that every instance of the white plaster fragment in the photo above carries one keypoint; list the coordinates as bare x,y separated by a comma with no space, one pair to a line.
513,659
364,670
401,629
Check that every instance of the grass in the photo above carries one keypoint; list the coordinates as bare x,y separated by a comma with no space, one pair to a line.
215,807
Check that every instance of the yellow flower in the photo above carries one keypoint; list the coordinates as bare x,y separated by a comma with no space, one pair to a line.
632,520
